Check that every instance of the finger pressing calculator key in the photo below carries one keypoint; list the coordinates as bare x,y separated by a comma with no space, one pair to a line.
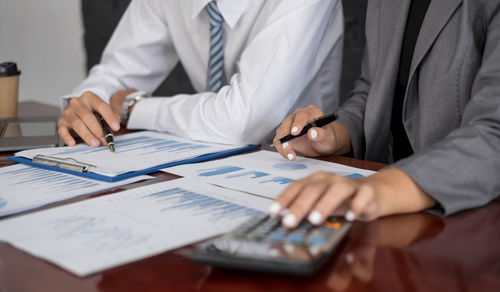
263,244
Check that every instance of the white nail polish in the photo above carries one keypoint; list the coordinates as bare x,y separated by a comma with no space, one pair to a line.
285,145
274,208
350,216
314,134
315,217
290,220
294,129
290,156
349,258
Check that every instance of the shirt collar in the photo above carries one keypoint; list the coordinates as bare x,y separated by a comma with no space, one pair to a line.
231,10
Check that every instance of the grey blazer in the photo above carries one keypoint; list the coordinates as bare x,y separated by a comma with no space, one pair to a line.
451,111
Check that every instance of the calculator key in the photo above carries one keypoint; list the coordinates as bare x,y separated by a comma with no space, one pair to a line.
247,226
265,228
320,235
278,234
296,238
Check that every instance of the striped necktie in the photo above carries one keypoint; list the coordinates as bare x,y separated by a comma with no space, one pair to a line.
215,74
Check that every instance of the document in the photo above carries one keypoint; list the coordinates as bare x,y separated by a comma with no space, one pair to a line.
108,231
262,173
26,187
134,152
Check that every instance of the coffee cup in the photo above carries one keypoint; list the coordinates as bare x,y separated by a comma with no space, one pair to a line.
9,89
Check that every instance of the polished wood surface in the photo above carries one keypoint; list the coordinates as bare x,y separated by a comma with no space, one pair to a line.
416,252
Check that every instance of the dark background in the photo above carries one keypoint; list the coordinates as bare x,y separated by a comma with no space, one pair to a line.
100,18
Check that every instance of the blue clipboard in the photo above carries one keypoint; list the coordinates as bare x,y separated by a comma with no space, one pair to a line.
131,174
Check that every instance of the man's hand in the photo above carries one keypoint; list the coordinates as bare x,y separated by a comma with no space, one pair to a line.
322,194
79,117
118,98
331,139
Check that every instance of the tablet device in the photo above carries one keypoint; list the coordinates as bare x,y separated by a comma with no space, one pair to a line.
28,132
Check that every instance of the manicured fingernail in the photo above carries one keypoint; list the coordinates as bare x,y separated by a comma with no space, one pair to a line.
285,145
290,220
294,129
94,143
290,156
349,258
315,217
115,126
275,208
314,134
350,216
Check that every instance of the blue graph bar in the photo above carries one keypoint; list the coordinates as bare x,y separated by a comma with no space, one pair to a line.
279,179
147,145
355,175
47,179
180,199
252,173
3,203
219,170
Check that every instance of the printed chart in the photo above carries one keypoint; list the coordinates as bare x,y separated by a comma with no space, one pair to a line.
104,232
26,187
135,151
262,173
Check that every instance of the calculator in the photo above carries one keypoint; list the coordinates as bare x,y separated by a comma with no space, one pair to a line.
263,244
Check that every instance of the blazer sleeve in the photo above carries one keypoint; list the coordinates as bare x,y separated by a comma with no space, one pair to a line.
462,171
351,112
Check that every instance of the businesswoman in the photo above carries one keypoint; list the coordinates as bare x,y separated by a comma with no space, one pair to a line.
427,102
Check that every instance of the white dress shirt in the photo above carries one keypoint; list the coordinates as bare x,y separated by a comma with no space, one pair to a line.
279,55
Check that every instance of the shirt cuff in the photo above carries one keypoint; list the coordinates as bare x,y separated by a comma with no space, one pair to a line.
102,94
145,114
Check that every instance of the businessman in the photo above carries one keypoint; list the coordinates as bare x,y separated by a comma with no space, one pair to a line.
427,101
251,63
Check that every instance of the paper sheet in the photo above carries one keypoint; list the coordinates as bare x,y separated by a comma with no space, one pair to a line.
97,234
26,187
135,151
262,173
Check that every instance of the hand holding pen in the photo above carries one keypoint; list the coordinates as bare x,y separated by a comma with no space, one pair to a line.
318,134
108,135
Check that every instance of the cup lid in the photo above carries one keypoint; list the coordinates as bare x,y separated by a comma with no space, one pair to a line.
9,69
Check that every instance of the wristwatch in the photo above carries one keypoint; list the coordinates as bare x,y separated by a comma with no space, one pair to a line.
130,101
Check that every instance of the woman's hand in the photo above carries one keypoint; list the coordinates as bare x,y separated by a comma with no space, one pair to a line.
331,139
324,194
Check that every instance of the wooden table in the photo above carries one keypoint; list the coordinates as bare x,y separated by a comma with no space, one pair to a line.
416,252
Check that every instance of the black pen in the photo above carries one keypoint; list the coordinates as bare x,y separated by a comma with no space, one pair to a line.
320,122
108,134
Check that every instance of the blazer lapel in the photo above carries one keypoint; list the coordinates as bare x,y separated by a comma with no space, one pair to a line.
390,27
438,14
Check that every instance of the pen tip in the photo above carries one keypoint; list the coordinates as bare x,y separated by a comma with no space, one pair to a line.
112,147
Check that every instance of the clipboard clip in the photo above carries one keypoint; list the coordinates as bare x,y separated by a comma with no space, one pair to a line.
65,163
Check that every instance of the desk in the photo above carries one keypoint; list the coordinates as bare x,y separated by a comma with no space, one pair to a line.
416,252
